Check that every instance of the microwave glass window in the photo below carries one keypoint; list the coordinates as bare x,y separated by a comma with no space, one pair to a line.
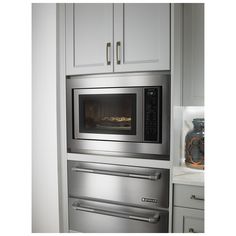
107,113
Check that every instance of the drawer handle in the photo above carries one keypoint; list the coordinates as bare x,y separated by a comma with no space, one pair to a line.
77,206
155,176
118,45
194,197
191,230
108,57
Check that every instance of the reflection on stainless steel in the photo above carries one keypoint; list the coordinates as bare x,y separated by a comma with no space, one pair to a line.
103,132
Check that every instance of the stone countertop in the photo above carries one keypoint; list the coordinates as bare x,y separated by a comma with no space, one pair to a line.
188,176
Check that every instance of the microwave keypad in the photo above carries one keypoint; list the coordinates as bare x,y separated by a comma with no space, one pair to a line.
152,116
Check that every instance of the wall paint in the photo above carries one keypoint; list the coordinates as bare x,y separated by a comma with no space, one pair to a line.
45,209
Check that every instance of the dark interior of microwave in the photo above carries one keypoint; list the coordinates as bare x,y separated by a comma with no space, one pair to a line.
107,114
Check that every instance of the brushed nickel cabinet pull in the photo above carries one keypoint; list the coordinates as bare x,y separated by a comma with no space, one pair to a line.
194,197
118,45
191,230
108,53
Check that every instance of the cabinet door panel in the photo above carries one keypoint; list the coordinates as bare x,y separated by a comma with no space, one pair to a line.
193,54
193,224
143,31
89,29
187,220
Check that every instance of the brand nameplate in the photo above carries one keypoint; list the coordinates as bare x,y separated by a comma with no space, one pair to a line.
152,200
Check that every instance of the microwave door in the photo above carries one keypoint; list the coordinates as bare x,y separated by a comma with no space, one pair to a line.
108,114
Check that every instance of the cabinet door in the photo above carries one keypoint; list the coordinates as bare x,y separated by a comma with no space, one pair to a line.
141,37
187,220
89,37
193,54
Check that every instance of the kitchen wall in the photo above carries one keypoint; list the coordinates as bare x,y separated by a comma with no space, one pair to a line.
45,210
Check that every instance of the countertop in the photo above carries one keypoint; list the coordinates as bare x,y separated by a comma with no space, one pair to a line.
188,176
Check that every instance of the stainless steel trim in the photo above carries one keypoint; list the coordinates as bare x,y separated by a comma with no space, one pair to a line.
77,206
194,197
115,137
155,176
118,45
126,149
108,54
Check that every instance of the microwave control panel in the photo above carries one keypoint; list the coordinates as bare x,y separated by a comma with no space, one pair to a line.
152,114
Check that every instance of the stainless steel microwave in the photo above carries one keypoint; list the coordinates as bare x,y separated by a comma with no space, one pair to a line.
119,114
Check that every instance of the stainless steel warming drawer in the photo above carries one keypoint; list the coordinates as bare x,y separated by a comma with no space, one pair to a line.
134,186
103,217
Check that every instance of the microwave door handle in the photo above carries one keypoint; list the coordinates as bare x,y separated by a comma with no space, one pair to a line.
154,176
77,206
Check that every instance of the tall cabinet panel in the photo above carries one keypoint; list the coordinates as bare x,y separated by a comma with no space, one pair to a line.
141,37
89,38
193,54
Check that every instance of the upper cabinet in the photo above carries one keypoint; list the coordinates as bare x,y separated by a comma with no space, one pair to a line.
103,38
193,54
141,37
89,38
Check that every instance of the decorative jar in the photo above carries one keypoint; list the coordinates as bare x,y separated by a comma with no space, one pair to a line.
194,145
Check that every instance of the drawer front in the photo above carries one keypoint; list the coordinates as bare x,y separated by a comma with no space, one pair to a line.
125,184
187,220
189,196
88,216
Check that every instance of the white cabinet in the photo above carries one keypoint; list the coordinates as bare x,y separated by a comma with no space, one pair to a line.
188,212
141,37
193,54
187,220
89,38
103,38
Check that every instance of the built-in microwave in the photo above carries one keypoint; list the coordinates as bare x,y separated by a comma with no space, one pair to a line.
119,114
